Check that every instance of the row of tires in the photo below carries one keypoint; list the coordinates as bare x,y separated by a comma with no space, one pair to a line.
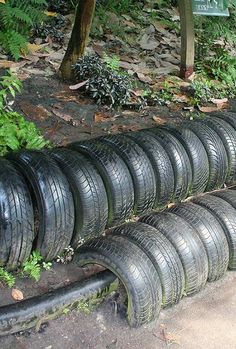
64,196
167,255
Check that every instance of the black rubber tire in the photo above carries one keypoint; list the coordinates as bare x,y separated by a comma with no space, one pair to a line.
228,195
53,198
187,244
197,156
226,214
218,163
115,176
135,270
16,217
179,160
163,256
140,169
89,194
211,233
161,165
228,136
229,117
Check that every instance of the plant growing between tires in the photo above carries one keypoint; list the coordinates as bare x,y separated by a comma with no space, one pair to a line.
34,266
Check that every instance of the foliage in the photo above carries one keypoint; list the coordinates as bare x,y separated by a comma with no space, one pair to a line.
221,66
61,6
34,265
51,28
7,278
17,18
66,256
9,84
104,83
112,63
117,6
17,133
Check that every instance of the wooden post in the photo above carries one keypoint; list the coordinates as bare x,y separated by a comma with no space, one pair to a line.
187,38
79,36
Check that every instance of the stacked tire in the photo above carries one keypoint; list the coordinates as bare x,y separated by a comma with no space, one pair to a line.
170,254
66,196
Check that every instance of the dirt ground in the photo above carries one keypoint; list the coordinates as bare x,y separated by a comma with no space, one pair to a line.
206,320
66,116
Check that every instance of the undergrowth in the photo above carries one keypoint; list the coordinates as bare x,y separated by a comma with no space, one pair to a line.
31,268
104,82
15,131
17,18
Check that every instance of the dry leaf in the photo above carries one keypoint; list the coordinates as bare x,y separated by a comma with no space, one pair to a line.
208,109
158,120
10,64
17,295
77,86
220,102
50,14
62,115
34,47
34,112
2,1
144,78
100,117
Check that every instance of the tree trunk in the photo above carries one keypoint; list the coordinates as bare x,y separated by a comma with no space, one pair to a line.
187,38
79,36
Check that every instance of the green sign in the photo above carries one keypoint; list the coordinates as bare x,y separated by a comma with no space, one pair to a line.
209,8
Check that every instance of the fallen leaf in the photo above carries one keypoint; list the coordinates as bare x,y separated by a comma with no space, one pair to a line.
146,43
17,295
62,115
159,120
219,101
77,86
50,14
33,112
100,117
2,1
144,78
208,109
10,64
35,47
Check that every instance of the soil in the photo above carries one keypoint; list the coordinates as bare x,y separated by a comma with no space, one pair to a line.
205,320
66,116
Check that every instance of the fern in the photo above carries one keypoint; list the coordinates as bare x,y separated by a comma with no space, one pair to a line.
17,18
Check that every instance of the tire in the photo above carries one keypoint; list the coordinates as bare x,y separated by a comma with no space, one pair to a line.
218,164
89,194
211,234
228,136
135,270
163,256
161,164
229,117
197,156
140,169
225,214
179,160
54,201
228,195
16,217
187,244
115,176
